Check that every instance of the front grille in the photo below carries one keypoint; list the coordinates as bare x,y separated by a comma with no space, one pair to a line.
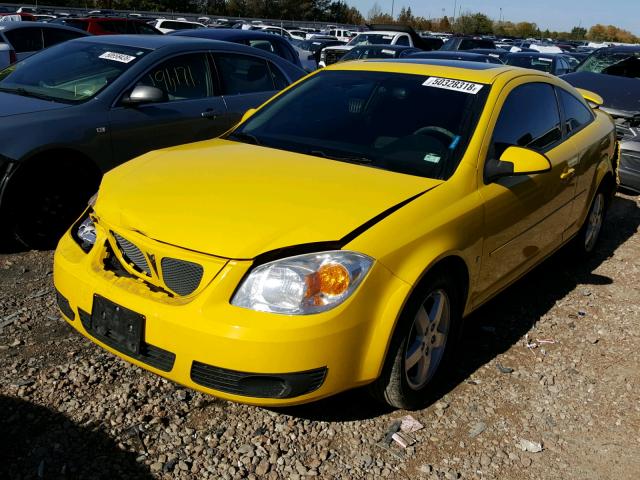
257,385
149,354
181,276
332,56
630,160
132,254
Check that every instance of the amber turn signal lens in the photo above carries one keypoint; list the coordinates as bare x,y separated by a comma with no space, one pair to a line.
333,279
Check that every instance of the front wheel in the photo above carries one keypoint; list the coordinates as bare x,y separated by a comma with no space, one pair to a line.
422,345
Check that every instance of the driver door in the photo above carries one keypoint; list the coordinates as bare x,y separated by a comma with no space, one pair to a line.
193,110
525,216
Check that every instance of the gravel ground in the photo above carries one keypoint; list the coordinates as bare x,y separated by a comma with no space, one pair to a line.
70,410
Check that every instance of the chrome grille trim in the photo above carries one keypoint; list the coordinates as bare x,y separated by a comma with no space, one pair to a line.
181,276
132,253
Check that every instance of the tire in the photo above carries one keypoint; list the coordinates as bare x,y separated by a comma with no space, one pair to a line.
586,240
416,364
41,203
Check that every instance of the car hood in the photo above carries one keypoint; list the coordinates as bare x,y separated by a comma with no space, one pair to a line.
618,93
236,200
11,104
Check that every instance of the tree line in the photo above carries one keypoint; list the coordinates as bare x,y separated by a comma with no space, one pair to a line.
480,24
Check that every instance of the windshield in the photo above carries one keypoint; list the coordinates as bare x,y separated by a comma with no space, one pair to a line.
537,63
601,60
70,72
410,124
371,39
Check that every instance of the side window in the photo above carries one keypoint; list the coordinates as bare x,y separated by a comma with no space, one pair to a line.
25,39
279,80
529,118
185,77
77,24
284,52
262,45
114,27
467,44
53,36
576,115
403,40
243,74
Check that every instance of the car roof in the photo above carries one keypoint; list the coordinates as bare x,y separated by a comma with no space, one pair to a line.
534,54
384,47
8,26
154,42
226,34
620,48
106,19
469,71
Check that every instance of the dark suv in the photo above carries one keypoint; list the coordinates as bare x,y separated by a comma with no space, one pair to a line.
468,43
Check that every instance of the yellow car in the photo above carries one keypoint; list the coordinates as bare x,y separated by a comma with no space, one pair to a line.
338,235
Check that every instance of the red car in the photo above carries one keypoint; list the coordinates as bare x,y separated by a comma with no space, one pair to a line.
110,25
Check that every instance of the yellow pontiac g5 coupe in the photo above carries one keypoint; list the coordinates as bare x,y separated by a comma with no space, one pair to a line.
339,234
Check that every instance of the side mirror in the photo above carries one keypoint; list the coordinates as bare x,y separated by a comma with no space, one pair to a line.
247,114
142,94
516,161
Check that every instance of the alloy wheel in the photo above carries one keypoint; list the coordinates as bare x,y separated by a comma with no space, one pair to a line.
427,340
594,222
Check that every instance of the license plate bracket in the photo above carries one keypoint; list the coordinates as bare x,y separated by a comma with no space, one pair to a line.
120,326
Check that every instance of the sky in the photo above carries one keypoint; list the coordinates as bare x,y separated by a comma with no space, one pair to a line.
559,15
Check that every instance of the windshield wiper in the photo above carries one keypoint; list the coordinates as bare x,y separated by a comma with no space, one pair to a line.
348,158
27,93
244,137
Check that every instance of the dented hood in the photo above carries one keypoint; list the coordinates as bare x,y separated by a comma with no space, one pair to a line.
236,200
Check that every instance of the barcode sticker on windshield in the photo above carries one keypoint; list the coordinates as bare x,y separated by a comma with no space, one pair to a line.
388,52
543,59
456,85
117,57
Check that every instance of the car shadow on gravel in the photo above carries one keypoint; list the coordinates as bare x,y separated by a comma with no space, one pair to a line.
41,443
501,323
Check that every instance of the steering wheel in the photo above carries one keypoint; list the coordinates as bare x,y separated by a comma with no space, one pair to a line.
443,131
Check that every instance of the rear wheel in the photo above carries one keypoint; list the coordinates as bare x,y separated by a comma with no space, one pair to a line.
587,238
422,345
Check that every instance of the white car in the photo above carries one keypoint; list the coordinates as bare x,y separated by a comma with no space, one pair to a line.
342,35
542,48
166,26
298,34
271,29
331,55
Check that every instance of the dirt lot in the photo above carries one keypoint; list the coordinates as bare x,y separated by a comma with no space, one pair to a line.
70,410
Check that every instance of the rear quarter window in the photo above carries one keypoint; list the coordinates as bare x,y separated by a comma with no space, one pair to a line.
25,39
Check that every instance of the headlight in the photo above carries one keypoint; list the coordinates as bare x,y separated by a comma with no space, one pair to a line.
87,232
84,231
303,284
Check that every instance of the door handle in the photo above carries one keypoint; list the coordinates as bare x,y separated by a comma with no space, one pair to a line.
568,175
209,114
